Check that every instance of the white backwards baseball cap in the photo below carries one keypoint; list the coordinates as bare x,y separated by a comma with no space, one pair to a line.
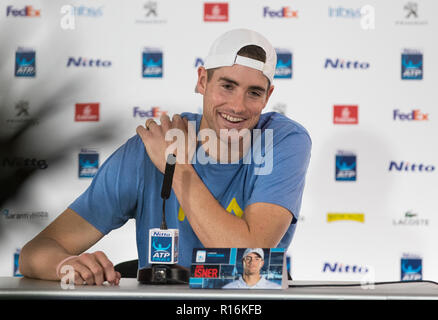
223,52
259,251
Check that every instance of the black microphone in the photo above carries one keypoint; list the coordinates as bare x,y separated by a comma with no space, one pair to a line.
167,186
163,243
168,176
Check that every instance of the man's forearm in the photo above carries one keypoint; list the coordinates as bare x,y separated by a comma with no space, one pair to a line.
39,258
213,225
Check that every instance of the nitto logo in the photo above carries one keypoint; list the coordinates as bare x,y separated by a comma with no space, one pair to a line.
161,234
345,64
85,62
341,268
284,12
414,115
411,167
19,162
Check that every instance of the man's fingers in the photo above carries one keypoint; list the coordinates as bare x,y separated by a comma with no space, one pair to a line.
177,122
108,267
97,273
165,122
150,124
82,273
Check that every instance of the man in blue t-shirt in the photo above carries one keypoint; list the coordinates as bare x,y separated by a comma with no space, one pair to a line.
238,179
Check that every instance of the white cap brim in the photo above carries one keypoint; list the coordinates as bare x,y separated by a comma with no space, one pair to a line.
223,52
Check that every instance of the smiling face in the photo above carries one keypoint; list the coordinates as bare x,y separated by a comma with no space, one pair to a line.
252,264
234,97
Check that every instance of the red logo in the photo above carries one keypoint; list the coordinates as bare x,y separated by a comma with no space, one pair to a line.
206,271
87,112
345,114
216,11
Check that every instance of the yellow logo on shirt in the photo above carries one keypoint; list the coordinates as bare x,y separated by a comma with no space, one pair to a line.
232,207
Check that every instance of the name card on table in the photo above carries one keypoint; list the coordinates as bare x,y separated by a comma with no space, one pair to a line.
238,268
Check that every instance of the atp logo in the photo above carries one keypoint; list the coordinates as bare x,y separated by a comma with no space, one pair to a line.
283,70
160,253
411,268
346,166
25,63
412,65
161,247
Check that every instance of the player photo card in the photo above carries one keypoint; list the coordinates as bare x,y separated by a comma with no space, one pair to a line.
238,268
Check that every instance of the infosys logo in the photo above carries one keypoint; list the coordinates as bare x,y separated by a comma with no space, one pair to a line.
405,166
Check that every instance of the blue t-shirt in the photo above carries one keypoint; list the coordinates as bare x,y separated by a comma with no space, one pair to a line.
128,185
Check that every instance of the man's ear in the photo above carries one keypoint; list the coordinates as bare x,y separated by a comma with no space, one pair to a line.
268,95
202,80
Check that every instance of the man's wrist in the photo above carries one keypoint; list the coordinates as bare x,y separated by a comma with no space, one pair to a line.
182,175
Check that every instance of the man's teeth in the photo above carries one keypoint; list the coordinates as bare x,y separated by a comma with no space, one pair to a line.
230,118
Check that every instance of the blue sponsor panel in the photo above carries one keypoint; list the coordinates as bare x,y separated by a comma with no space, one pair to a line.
16,266
411,65
161,248
411,269
88,163
283,69
25,65
346,167
152,61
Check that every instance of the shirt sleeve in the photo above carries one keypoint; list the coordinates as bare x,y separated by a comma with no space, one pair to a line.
111,198
282,182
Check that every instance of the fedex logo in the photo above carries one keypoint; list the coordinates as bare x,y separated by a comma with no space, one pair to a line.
27,11
414,115
284,12
155,112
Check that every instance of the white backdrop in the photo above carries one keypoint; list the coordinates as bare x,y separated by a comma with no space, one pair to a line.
389,213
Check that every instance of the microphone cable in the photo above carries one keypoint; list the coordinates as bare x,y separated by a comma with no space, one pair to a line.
365,284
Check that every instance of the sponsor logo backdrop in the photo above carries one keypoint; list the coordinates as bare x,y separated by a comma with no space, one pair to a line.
359,75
